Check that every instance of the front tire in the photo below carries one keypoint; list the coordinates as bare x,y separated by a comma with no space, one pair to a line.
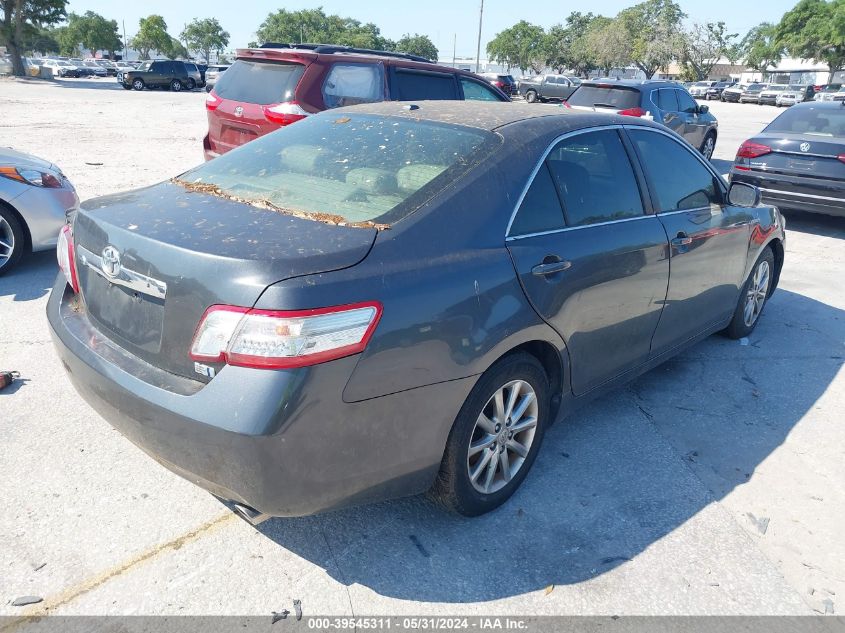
137,84
496,437
708,146
753,296
531,96
12,240
125,87
176,85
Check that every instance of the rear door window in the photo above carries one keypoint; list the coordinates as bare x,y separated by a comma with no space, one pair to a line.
615,97
351,84
262,83
595,179
476,91
540,208
666,100
408,84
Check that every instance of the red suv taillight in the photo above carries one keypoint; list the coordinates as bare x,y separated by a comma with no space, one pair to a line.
64,253
212,101
284,113
633,112
283,339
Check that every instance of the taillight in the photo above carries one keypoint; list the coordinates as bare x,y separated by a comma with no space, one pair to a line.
283,339
212,101
750,149
284,113
499,84
565,104
64,253
841,158
632,112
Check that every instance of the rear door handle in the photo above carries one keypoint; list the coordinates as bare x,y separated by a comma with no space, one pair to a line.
549,268
682,240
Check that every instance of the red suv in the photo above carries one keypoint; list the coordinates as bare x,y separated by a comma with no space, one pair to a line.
279,84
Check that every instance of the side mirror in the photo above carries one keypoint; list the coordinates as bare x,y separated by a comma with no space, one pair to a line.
743,195
703,109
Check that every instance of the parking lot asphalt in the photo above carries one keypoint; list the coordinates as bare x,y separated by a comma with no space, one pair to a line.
711,485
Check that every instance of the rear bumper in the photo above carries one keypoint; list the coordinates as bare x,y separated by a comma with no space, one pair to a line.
280,441
207,152
779,191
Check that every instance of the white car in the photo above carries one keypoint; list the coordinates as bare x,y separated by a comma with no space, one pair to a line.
794,94
769,96
699,89
827,92
61,68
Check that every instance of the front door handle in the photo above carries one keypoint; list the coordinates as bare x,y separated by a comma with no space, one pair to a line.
550,267
682,240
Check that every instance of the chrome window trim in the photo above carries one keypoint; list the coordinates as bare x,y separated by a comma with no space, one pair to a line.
562,137
513,238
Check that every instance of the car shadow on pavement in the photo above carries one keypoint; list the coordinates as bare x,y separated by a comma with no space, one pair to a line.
32,278
815,223
612,480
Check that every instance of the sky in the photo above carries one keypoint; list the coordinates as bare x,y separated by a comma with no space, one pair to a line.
441,20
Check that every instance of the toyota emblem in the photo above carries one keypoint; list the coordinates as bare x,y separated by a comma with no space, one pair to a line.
805,147
111,261
239,111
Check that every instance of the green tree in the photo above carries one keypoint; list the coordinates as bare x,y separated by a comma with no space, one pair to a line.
151,36
566,46
68,44
417,45
205,36
815,29
520,46
703,45
174,49
654,30
21,19
608,43
94,32
761,47
42,40
313,25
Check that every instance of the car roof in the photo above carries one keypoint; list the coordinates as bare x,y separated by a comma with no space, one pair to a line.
490,115
629,83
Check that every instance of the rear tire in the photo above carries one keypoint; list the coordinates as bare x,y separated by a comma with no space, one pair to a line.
708,146
191,84
176,85
752,297
137,84
531,96
495,438
12,239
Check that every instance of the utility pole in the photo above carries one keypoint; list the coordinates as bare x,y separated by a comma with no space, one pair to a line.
478,50
454,49
125,48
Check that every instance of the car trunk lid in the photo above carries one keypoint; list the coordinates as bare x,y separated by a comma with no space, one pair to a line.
799,155
181,251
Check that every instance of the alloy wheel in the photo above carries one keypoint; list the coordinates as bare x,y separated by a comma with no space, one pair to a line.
502,436
755,297
7,242
709,147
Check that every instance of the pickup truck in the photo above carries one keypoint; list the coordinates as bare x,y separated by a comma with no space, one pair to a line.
548,88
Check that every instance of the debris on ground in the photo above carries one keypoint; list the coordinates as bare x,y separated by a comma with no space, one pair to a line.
549,589
743,341
283,615
297,607
39,567
25,600
762,524
7,378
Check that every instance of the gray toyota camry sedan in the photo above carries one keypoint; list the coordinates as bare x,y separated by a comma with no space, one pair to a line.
396,298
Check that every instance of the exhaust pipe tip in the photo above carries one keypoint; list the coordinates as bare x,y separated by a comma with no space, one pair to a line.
250,515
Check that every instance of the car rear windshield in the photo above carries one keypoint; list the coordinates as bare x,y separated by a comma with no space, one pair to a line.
262,83
345,168
812,120
615,97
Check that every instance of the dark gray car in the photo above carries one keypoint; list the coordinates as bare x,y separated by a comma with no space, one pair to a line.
393,298
663,101
548,88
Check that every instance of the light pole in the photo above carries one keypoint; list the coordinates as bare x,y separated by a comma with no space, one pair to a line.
478,50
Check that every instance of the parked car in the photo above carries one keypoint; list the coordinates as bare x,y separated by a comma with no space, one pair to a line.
194,76
111,68
122,67
35,199
795,94
261,307
752,94
84,71
699,88
715,91
505,83
276,85
769,95
826,92
212,74
798,160
94,68
61,68
159,73
733,93
548,88
663,101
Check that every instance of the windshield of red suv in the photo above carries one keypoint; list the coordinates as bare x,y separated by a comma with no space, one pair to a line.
345,168
262,83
